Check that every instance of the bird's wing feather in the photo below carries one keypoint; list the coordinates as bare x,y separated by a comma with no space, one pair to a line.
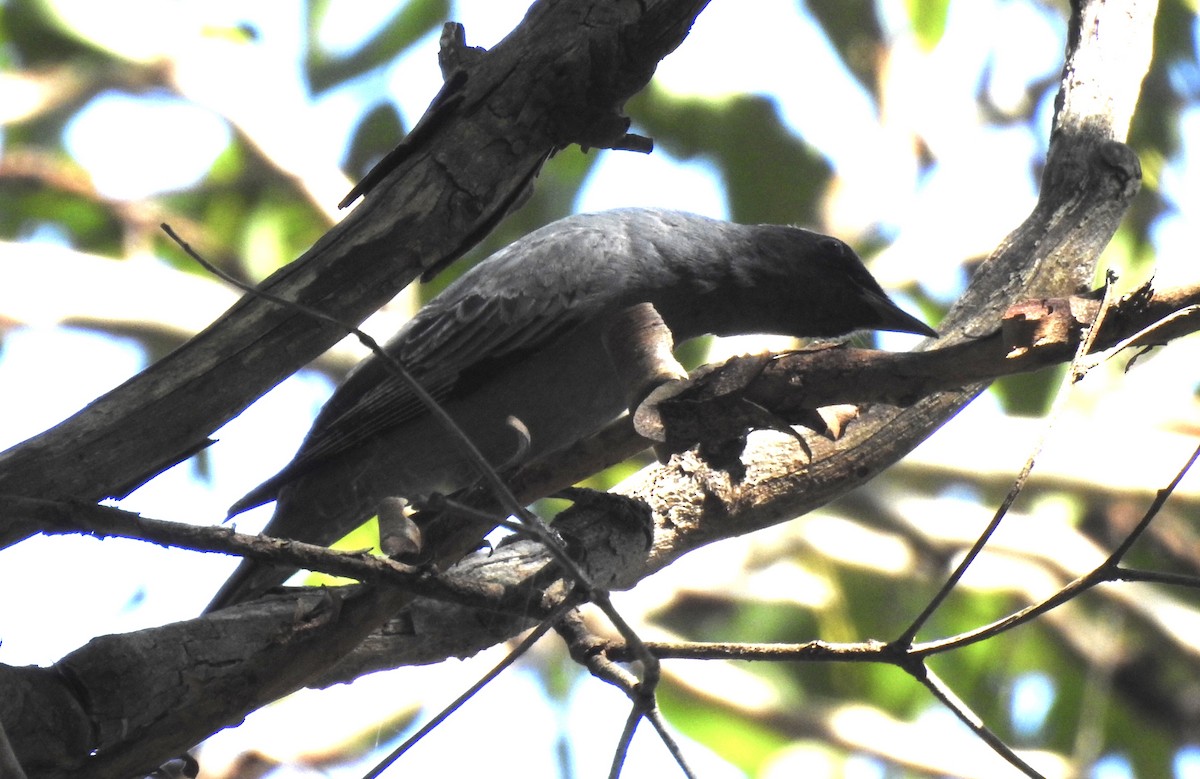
513,303
437,348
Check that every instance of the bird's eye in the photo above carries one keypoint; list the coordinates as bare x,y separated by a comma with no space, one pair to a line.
832,246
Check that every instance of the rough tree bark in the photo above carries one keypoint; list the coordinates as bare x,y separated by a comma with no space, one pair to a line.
123,704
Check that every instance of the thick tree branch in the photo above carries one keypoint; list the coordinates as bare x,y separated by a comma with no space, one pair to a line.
494,582
1035,335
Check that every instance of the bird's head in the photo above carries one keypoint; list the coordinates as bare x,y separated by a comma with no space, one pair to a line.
796,282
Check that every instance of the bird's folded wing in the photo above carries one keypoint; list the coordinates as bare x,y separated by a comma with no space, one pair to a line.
443,348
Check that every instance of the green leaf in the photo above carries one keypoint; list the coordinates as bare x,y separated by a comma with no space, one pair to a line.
276,232
377,132
1028,394
743,741
89,224
363,537
770,174
928,18
35,36
853,28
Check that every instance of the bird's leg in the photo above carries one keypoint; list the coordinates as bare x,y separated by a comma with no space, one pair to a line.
399,536
641,349
640,346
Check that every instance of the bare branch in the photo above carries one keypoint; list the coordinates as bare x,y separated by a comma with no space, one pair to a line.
972,721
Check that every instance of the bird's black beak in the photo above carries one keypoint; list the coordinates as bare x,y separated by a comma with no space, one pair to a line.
895,319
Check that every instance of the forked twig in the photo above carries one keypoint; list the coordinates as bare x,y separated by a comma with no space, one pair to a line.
654,717
1077,370
593,653
1109,570
973,721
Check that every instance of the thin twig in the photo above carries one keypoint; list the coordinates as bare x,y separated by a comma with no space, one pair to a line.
622,749
651,671
592,653
1078,369
646,708
1160,499
1148,330
1069,592
655,718
1124,574
104,521
972,720
810,651
1083,361
534,635
1109,570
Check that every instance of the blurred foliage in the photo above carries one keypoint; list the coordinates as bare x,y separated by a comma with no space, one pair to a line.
759,159
1029,394
406,26
250,214
853,28
378,129
928,19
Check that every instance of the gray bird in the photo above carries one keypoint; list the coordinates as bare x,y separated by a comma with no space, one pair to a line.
520,334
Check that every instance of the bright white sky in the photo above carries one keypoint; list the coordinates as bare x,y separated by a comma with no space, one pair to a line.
135,147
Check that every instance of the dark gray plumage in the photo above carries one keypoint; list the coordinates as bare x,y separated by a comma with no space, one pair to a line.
520,334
